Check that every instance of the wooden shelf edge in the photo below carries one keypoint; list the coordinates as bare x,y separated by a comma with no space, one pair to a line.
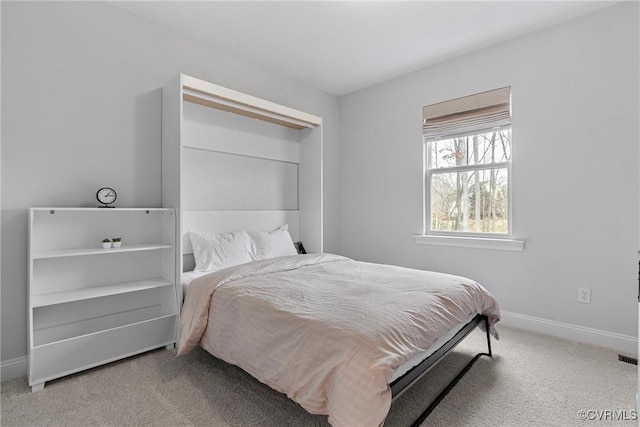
215,96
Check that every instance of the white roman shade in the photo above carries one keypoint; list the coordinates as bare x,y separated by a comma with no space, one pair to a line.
467,115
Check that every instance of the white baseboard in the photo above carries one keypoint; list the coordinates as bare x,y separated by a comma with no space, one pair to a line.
13,368
624,343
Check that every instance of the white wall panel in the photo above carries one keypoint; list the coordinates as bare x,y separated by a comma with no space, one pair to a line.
211,129
222,181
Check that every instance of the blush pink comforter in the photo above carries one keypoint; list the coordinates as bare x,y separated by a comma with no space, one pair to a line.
326,330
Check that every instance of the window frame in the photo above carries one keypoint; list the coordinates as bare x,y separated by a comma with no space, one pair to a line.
429,172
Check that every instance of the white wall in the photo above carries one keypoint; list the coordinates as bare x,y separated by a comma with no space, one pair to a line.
81,109
575,170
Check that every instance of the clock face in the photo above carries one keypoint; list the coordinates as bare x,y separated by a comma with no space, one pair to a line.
106,195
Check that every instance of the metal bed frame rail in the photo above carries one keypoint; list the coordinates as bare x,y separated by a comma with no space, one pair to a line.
400,385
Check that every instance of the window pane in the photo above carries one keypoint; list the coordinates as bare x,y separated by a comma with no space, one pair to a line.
484,148
448,153
490,147
470,201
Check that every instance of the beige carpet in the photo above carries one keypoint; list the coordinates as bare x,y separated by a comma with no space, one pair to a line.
533,380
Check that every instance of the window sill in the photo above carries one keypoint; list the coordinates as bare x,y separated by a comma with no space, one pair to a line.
470,242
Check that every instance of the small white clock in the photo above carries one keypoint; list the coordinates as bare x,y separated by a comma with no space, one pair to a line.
106,196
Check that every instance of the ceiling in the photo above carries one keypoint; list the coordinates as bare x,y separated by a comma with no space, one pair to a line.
344,46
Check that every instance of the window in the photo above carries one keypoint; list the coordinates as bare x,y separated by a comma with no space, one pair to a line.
469,183
467,165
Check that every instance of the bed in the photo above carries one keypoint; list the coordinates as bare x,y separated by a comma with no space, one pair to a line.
338,336
225,172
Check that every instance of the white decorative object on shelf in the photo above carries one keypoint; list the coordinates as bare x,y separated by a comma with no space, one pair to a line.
106,243
117,242
89,306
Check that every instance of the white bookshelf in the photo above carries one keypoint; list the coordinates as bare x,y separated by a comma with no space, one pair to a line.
88,305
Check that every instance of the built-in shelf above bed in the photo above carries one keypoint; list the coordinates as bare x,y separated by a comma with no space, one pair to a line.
234,161
214,96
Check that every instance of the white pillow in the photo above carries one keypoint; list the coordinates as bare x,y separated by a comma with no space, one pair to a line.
217,251
271,244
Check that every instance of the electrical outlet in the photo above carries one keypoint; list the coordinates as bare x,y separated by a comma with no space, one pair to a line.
584,295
